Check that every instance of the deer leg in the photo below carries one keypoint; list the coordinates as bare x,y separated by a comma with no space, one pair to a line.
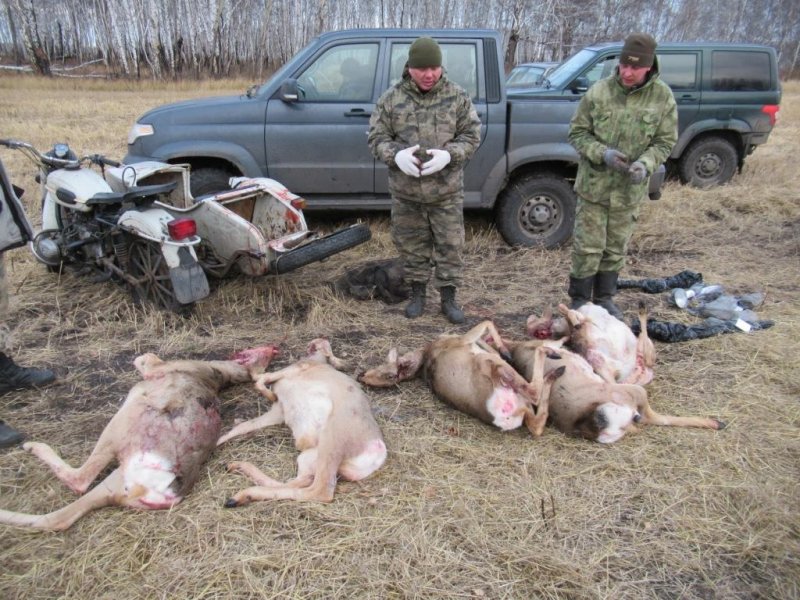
106,493
320,488
306,463
650,417
274,416
78,479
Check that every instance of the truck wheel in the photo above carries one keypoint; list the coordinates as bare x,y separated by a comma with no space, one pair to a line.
323,247
708,162
207,180
536,211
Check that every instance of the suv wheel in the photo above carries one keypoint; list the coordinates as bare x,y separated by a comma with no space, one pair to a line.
207,180
708,162
536,211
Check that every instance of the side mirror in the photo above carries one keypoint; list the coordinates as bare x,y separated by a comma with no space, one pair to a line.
580,85
289,91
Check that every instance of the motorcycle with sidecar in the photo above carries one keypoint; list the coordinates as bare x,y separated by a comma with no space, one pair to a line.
125,235
255,227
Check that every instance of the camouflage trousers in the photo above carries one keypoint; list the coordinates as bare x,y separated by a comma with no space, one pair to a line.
601,235
430,235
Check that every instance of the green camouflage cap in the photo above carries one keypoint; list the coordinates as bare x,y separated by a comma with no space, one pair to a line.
639,50
424,52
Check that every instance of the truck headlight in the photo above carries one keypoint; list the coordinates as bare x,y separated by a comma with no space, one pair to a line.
139,130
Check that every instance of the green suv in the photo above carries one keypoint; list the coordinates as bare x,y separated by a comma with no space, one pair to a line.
728,97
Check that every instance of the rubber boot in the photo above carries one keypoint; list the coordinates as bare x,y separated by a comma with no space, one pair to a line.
605,287
13,377
580,291
449,307
417,303
9,436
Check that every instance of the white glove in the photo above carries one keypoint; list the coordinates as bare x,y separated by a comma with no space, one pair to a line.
440,160
407,162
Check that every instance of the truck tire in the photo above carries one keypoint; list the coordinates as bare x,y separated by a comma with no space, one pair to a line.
708,162
536,211
323,247
207,180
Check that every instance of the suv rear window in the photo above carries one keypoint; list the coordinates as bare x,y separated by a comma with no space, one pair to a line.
736,71
679,71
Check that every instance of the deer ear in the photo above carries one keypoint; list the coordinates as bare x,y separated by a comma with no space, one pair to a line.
409,364
392,356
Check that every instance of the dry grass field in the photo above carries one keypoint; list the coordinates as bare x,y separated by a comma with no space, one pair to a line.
460,509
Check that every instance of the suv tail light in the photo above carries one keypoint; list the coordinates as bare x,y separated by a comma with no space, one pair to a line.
180,229
772,111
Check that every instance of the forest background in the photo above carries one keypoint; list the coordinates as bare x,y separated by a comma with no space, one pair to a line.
177,39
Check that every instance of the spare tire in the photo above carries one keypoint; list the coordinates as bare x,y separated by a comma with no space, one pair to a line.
323,247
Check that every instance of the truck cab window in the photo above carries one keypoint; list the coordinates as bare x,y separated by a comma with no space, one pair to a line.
459,62
341,73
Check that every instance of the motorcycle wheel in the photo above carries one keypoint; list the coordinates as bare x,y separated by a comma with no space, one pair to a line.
324,247
147,264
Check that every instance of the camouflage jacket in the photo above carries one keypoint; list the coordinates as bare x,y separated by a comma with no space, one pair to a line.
442,118
641,123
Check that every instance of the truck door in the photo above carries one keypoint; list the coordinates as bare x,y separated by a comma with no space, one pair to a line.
317,145
461,64
681,71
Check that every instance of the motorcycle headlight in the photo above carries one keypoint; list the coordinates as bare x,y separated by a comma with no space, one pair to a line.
61,151
139,130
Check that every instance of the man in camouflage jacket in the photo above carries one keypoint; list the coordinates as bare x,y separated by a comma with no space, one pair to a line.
425,128
624,128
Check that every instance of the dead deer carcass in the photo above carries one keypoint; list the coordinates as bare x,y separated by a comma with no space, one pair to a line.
469,374
607,343
161,436
332,424
584,404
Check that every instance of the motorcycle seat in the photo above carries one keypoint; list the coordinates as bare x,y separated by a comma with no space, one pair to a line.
134,194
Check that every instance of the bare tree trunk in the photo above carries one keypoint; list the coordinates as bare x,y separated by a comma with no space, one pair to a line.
36,54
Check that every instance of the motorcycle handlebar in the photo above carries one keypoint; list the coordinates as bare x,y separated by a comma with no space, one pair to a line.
99,159
10,143
33,153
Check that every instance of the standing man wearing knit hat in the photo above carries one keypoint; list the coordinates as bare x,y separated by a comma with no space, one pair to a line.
624,128
425,128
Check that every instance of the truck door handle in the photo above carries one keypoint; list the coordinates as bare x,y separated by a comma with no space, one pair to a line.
357,112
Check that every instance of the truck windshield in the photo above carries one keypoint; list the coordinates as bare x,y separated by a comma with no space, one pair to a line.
566,71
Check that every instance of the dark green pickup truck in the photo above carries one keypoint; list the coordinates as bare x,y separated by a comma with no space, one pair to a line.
306,126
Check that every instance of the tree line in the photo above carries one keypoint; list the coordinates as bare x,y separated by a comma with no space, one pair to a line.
173,39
